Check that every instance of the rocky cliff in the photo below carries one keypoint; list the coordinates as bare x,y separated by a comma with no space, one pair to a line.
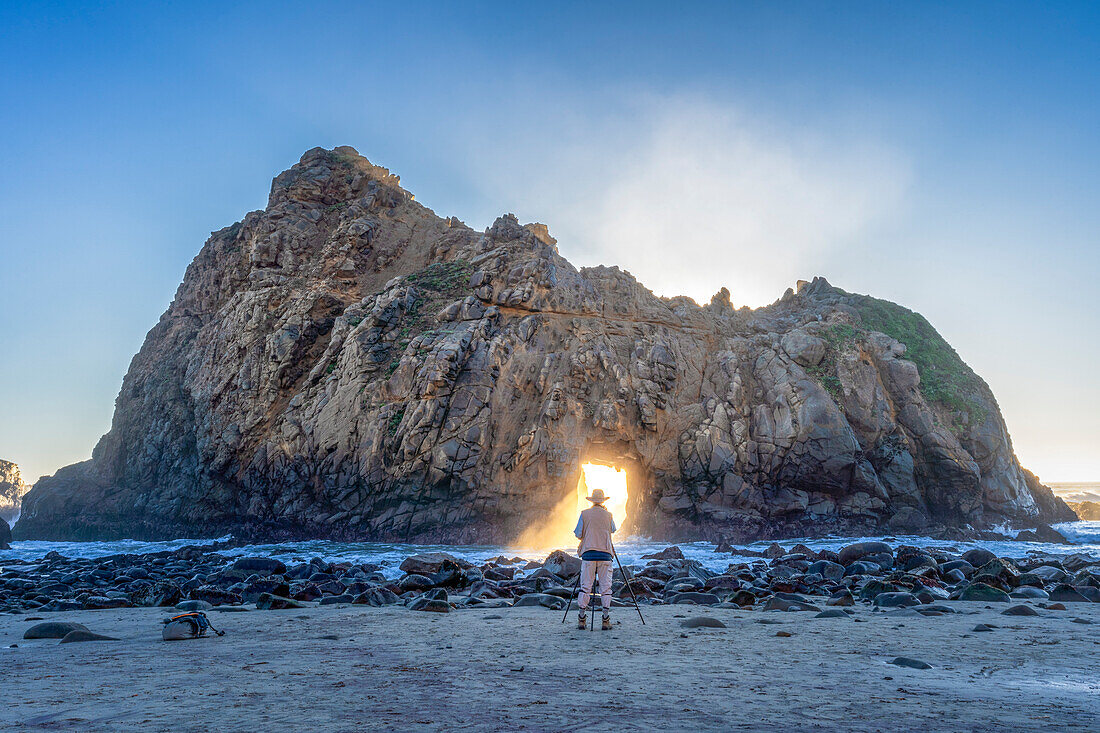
12,489
347,364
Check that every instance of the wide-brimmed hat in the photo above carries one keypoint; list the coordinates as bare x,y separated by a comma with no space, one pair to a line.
597,497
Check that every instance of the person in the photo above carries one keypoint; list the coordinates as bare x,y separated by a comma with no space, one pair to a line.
594,529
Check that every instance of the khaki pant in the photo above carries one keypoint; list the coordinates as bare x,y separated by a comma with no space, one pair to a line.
590,570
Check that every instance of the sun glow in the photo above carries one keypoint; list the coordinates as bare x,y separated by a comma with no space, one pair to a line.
613,482
556,530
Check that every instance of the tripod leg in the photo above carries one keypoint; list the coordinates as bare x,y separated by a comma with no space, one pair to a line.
570,604
629,587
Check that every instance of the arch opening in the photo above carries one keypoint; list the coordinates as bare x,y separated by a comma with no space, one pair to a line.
554,530
612,480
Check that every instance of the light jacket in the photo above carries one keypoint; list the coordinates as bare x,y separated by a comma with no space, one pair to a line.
594,529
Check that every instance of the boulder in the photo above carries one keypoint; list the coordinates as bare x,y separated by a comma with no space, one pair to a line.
193,605
562,564
53,630
702,622
702,599
672,552
214,595
259,565
896,600
1020,610
1067,594
377,597
5,535
832,613
84,635
432,605
827,569
540,599
858,550
426,563
910,663
414,582
1043,533
779,603
983,592
978,556
269,602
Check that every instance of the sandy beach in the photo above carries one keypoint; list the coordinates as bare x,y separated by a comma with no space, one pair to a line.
356,668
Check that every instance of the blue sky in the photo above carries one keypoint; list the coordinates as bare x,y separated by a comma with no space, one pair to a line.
944,157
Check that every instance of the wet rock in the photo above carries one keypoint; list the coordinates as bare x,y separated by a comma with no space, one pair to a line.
827,569
978,556
1067,594
702,599
669,553
377,597
1029,592
332,600
742,599
784,634
1089,591
896,600
983,592
307,592
414,582
982,628
696,622
1020,610
53,630
427,563
540,599
910,663
562,564
194,605
1043,533
430,604
841,598
214,595
85,635
777,603
260,565
103,602
269,602
861,549
275,585
832,613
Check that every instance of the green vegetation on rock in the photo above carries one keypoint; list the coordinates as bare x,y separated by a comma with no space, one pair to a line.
945,378
838,337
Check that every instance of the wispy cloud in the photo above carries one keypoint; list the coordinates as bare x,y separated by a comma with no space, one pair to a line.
692,195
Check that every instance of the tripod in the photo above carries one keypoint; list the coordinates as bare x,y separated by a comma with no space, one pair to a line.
626,580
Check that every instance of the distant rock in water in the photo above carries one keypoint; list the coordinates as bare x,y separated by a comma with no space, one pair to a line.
347,364
1087,510
12,490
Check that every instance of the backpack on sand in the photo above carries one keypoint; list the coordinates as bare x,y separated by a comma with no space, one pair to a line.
188,626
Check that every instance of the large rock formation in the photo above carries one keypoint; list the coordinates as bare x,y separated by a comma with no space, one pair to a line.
12,489
347,364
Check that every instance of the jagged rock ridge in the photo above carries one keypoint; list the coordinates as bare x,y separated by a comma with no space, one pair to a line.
347,364
12,489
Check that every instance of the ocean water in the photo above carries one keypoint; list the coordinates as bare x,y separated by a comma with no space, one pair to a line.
1084,535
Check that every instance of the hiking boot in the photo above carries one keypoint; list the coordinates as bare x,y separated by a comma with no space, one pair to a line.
606,624
581,622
